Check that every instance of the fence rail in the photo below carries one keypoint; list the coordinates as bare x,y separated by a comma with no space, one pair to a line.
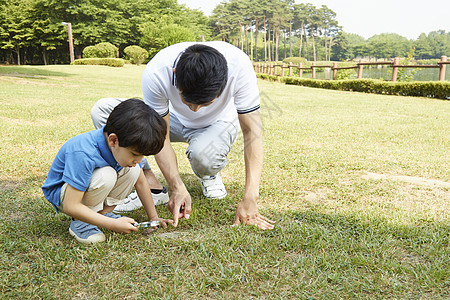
271,69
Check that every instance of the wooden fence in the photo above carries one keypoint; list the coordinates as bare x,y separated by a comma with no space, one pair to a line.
271,69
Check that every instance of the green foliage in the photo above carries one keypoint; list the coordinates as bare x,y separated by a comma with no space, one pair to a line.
294,60
156,37
431,89
111,62
433,45
90,52
405,74
135,54
345,74
101,50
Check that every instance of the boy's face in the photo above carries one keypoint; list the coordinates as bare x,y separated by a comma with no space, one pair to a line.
125,156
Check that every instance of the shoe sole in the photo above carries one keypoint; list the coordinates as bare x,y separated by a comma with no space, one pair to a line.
86,241
217,197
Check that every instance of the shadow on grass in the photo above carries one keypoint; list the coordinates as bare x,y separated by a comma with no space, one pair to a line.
30,72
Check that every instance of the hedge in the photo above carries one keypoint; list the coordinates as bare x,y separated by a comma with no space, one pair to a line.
432,89
111,62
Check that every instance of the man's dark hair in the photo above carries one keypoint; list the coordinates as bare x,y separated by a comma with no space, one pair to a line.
137,125
201,74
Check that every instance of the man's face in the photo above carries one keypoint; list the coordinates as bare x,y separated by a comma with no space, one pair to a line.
195,107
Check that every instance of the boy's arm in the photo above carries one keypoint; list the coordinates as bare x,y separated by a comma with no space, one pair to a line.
143,191
76,209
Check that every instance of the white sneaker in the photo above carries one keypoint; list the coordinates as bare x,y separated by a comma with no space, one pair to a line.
213,187
132,202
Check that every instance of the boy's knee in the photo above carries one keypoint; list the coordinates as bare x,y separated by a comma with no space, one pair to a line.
103,178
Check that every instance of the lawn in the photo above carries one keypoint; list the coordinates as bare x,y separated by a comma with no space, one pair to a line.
359,186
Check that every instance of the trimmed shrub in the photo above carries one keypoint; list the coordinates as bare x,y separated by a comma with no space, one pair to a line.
431,89
110,62
89,52
101,50
135,54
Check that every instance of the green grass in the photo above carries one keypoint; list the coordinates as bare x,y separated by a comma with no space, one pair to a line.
339,233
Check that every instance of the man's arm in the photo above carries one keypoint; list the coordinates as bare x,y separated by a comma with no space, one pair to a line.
247,210
143,191
73,207
180,200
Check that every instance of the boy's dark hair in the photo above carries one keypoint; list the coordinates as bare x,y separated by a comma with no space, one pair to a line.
201,74
137,125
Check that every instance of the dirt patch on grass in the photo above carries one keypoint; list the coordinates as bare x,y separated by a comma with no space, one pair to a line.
409,179
8,185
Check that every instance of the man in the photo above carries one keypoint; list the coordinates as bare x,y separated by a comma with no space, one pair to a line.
205,92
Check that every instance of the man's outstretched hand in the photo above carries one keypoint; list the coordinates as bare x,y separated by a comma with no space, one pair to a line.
247,213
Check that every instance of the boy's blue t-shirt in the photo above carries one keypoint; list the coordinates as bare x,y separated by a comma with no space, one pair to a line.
75,162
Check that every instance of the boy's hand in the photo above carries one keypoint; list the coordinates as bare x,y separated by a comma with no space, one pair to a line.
123,225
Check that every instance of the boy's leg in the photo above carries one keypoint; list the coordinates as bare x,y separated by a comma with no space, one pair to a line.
126,179
102,182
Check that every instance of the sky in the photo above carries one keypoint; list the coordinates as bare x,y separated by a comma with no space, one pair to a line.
409,18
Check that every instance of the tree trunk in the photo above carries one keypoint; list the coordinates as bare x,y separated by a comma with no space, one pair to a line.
277,38
265,40
18,55
301,42
329,47
326,51
290,38
242,36
314,46
44,55
268,44
256,39
273,43
251,44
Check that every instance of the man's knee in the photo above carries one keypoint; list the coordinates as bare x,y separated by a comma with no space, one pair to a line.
102,109
206,160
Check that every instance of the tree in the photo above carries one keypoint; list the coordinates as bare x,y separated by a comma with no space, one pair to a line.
387,45
156,36
16,30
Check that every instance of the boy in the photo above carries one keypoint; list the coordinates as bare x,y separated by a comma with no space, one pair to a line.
94,171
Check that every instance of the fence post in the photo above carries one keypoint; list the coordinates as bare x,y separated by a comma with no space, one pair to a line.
282,69
360,69
300,70
334,68
290,69
442,70
395,69
265,68
272,69
313,67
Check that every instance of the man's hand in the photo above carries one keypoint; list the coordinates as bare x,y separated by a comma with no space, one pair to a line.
179,205
247,213
164,222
